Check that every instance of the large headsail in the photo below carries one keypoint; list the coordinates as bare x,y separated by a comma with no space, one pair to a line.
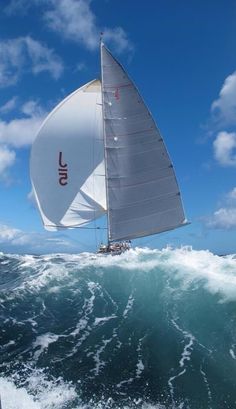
67,169
142,193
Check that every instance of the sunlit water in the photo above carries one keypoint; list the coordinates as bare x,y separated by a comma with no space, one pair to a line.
147,329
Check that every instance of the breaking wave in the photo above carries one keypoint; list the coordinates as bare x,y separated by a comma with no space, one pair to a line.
146,329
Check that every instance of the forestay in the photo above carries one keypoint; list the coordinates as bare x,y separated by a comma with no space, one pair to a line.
67,169
142,192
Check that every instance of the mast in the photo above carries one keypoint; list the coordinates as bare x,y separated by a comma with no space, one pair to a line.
105,154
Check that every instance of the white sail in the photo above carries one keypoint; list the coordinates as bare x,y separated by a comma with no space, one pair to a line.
94,187
142,193
66,151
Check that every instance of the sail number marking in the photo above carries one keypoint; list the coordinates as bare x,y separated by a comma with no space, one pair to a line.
62,170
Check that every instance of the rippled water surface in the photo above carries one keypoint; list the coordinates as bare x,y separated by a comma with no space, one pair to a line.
146,329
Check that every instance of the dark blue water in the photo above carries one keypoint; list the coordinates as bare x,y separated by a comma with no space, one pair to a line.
147,329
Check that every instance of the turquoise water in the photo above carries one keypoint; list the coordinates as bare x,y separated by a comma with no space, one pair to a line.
147,329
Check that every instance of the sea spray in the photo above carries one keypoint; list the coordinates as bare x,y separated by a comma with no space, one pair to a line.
147,329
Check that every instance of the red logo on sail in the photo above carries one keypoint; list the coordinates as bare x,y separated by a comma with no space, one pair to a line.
63,171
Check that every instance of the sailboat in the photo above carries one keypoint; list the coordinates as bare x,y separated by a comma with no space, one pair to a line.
99,152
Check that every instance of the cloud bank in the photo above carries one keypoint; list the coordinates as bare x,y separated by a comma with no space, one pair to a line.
8,106
74,20
18,133
7,159
224,217
223,111
24,54
224,147
224,108
17,241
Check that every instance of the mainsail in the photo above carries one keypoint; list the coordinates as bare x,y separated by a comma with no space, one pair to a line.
65,155
98,152
142,192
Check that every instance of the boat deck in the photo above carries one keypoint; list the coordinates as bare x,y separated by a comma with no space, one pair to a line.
114,248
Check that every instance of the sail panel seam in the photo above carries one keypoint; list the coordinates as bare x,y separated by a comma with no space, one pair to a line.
146,200
144,183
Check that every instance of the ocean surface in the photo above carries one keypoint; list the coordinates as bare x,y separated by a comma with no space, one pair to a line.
146,329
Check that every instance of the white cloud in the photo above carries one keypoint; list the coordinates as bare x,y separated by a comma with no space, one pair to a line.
74,20
7,233
224,108
81,66
232,194
8,106
11,61
118,38
23,54
225,148
20,132
15,240
43,58
18,6
7,159
32,108
223,218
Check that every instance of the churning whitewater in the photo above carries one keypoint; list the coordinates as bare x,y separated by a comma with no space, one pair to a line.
146,329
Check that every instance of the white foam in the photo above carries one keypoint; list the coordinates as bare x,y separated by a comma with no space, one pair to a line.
129,306
216,274
232,353
140,368
16,398
39,394
32,322
87,308
185,356
11,342
99,363
124,382
43,341
5,262
83,329
207,387
103,320
80,326
170,382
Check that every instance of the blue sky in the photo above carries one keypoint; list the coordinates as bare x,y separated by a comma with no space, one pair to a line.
181,55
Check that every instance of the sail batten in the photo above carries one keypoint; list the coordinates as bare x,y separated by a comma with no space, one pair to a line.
142,191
